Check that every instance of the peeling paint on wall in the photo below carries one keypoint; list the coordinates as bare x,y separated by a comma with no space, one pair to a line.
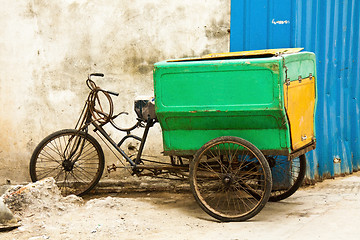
49,47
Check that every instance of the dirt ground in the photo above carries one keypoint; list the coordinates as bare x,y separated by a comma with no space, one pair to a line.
327,210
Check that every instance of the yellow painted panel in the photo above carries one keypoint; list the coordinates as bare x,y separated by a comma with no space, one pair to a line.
299,97
244,54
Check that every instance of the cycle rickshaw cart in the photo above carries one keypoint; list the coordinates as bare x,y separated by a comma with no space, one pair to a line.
237,125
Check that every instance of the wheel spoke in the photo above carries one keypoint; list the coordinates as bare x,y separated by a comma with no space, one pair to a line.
46,173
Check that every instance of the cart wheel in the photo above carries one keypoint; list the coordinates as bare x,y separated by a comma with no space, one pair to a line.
230,179
287,175
74,159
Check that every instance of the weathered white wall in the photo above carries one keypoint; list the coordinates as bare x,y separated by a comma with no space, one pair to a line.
47,48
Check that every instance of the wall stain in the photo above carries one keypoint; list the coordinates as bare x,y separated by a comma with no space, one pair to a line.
217,29
29,11
139,61
66,40
206,52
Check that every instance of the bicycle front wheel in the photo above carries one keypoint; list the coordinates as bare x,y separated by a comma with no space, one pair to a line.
73,158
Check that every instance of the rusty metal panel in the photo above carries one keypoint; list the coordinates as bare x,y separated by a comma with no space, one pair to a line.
331,30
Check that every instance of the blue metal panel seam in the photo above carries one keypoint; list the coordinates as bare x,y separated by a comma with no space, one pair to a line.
331,30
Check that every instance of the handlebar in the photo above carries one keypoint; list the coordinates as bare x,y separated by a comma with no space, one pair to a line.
103,114
112,93
96,75
91,84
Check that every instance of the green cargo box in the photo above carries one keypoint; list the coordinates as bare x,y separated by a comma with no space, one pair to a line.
266,98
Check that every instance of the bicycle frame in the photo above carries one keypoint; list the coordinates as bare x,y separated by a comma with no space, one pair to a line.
117,146
98,118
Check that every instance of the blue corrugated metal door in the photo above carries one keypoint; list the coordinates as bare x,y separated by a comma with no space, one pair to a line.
331,30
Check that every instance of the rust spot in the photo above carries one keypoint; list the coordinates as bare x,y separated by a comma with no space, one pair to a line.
218,111
272,66
193,111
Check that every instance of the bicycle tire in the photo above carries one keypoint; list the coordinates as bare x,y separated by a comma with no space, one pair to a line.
234,193
51,158
291,174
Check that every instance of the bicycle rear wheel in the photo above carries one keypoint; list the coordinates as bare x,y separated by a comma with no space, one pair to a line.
230,179
287,175
73,158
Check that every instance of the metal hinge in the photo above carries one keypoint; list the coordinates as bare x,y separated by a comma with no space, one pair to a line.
287,81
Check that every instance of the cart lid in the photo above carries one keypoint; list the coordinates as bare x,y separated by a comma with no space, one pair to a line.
243,54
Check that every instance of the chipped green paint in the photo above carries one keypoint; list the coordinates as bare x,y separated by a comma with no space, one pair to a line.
197,101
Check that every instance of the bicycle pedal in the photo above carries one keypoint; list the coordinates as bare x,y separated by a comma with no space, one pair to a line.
111,168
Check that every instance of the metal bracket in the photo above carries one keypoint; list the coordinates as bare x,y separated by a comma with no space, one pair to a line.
287,81
300,78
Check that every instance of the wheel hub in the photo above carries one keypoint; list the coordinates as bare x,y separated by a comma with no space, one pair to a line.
68,165
227,180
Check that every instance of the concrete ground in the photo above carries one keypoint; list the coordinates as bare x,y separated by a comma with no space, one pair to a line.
327,210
